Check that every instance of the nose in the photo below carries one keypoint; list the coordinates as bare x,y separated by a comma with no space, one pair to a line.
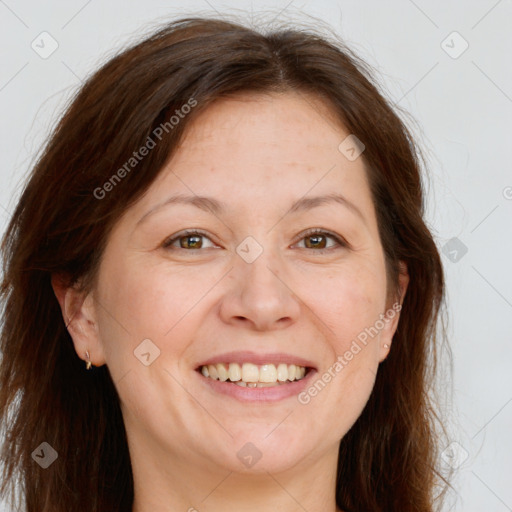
258,296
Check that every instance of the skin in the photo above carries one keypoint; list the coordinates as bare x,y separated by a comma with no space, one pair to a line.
257,155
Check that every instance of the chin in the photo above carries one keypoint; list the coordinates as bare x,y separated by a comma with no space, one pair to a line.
264,449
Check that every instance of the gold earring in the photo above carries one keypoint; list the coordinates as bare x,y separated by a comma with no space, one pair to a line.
88,363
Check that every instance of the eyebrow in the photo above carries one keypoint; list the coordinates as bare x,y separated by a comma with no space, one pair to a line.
211,205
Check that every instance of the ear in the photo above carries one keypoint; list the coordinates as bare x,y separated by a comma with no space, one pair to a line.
80,318
392,313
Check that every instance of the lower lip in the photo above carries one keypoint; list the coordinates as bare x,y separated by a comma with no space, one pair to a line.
267,394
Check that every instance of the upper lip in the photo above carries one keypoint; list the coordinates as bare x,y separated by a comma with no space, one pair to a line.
241,357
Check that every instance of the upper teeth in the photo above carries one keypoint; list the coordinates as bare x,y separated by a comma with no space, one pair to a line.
249,372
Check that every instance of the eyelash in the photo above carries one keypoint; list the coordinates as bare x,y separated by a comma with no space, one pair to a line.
310,232
317,231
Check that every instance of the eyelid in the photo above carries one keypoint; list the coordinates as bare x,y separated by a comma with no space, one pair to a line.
166,244
311,231
320,231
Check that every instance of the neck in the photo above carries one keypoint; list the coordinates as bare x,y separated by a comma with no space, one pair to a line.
169,482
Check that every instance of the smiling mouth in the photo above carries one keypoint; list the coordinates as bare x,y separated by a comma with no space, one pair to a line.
254,376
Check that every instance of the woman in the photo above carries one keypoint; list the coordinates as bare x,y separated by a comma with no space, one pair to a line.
226,229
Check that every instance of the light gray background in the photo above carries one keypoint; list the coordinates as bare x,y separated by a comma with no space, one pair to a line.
463,108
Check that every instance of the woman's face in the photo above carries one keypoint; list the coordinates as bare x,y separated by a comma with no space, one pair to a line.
274,271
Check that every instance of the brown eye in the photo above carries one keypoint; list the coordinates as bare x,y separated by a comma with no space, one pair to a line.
191,242
188,240
321,241
316,241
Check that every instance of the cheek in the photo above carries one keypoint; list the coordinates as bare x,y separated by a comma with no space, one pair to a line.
141,301
350,305
348,302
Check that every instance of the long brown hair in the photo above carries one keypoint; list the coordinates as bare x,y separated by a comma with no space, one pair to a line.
387,461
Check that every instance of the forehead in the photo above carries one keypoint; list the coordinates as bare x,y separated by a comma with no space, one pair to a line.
262,150
290,122
271,137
